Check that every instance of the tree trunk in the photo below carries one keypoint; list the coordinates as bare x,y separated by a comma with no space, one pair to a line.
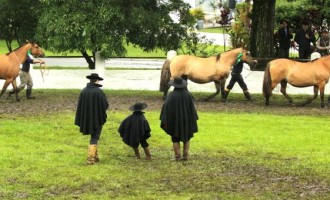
91,62
262,30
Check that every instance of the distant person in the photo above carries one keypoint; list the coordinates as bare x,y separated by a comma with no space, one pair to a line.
91,114
135,130
284,39
25,76
236,77
179,117
304,37
323,43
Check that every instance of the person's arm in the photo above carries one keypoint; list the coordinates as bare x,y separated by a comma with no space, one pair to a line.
35,61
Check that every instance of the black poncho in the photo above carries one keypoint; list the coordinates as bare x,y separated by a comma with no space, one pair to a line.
179,116
91,109
134,128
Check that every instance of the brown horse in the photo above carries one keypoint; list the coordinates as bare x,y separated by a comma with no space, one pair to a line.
203,70
314,73
10,64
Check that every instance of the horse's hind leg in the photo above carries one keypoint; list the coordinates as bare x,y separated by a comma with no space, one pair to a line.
283,91
4,88
217,87
15,89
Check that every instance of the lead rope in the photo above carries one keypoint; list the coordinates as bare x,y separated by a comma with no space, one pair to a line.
19,63
43,71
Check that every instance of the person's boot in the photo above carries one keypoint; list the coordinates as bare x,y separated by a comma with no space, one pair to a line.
28,94
97,158
248,96
10,93
177,153
91,154
137,152
186,146
147,152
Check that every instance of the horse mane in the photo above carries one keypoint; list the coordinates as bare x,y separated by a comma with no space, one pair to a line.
218,57
17,48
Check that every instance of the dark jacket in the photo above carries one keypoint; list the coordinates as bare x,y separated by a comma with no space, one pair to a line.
179,116
91,109
300,38
134,128
284,38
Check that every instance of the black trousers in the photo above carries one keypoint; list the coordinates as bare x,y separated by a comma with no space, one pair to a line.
95,137
239,79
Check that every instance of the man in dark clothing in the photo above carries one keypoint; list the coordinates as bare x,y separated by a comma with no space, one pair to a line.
179,117
304,37
135,130
25,77
284,39
91,114
237,77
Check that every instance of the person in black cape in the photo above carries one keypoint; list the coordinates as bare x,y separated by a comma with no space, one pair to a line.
179,117
91,114
135,130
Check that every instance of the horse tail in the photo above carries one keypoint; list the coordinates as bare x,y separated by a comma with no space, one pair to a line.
267,82
166,73
165,76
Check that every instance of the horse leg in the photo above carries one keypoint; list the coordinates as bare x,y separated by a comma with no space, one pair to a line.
310,100
15,89
4,88
283,91
217,87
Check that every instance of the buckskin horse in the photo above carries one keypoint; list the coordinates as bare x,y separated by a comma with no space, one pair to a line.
203,70
315,73
10,64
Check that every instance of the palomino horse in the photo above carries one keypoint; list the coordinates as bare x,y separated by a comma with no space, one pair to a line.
314,73
10,64
203,70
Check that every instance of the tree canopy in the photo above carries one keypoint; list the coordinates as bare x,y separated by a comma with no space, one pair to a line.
107,25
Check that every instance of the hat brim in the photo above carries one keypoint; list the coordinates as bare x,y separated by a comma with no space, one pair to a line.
143,106
181,85
93,77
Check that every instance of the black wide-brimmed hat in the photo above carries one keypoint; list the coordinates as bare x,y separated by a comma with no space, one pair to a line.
94,76
178,83
138,107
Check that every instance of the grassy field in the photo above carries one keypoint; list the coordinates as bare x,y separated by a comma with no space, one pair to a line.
238,153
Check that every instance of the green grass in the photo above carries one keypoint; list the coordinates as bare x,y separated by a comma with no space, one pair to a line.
235,155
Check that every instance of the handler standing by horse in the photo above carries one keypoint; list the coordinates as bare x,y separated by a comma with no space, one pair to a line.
237,77
25,76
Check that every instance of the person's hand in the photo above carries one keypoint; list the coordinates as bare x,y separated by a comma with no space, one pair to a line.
42,62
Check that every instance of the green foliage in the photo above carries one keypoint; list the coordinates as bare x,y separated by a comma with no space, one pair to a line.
240,31
198,13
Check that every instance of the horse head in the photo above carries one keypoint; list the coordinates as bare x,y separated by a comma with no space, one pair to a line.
246,57
36,50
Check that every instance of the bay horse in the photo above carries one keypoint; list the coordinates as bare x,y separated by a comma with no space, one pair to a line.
203,70
315,73
10,64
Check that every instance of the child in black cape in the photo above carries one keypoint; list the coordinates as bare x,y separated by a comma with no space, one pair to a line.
135,130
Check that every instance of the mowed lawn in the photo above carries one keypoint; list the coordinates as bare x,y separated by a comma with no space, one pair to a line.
235,155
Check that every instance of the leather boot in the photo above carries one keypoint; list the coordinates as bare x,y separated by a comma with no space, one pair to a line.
225,95
147,152
91,154
28,94
186,146
248,96
176,148
137,152
10,93
97,158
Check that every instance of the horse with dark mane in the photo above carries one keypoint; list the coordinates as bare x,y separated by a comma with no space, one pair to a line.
10,64
203,70
315,73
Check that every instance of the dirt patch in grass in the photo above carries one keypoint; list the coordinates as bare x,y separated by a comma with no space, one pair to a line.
48,101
